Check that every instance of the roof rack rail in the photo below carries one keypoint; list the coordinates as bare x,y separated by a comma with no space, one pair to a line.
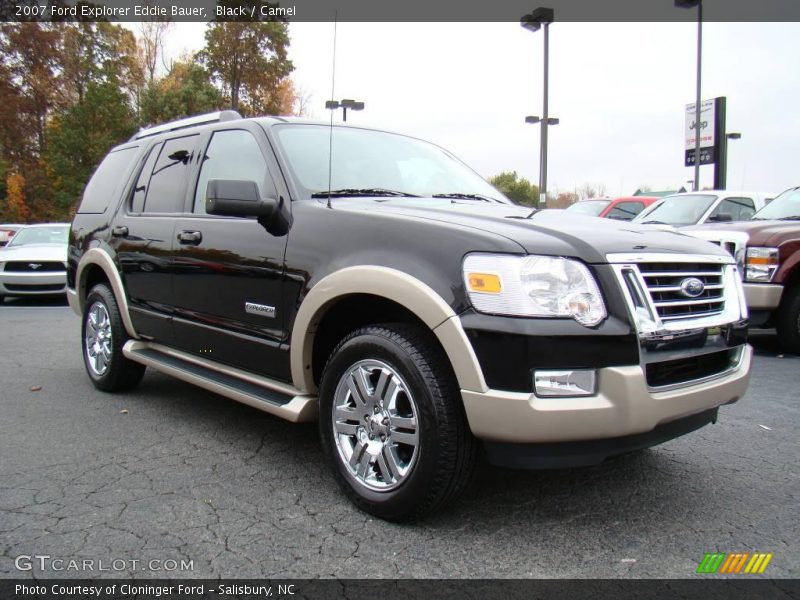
215,117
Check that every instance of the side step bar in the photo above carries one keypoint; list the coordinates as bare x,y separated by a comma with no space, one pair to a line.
274,397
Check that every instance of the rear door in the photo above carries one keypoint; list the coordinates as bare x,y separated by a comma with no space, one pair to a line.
229,270
143,232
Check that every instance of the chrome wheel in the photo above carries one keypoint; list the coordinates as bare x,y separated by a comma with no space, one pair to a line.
97,338
375,425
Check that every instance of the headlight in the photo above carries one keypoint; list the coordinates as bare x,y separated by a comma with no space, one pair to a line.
533,286
761,264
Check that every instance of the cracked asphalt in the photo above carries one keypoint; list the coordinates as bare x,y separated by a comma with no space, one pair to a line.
172,472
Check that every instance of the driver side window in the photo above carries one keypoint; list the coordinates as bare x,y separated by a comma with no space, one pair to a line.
231,154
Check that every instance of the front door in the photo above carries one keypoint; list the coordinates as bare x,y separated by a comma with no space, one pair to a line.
229,271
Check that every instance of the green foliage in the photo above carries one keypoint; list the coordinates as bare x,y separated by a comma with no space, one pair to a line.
82,136
185,91
518,189
249,61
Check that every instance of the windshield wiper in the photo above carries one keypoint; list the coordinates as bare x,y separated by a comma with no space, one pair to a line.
654,223
789,218
361,192
461,196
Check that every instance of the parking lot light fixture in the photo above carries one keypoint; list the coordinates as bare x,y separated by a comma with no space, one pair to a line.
541,19
697,112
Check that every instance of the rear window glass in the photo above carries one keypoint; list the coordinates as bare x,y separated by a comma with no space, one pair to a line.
104,186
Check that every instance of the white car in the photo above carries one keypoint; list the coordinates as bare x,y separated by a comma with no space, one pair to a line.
35,261
707,206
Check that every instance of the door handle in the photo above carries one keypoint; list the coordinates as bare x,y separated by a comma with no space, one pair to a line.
119,231
190,237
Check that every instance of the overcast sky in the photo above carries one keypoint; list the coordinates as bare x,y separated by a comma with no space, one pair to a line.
620,92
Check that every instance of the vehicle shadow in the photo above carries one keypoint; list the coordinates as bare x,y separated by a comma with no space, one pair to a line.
35,301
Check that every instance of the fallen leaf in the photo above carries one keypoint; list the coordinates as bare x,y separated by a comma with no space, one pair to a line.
124,411
765,427
36,388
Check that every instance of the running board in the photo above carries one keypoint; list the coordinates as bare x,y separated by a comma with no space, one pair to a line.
265,394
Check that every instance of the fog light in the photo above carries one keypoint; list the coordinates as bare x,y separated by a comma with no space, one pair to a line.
576,382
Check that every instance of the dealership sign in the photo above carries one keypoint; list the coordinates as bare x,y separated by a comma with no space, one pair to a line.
711,129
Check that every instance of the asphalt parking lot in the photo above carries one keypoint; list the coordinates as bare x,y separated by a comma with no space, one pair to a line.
172,472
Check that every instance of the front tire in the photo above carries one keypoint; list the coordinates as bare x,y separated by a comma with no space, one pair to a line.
392,422
102,338
788,320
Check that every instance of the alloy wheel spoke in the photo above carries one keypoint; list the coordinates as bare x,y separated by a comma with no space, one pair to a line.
403,422
389,460
401,437
346,428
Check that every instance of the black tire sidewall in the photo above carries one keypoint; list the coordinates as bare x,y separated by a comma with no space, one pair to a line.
108,381
395,503
788,322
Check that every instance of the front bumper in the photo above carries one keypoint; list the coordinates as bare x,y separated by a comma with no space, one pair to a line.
26,284
623,406
763,296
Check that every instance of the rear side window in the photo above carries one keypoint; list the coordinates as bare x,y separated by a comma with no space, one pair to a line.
105,184
167,185
143,182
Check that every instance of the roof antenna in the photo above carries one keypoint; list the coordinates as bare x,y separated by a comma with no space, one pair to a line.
333,90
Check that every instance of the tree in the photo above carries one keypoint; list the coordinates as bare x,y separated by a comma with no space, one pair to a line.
29,53
520,190
16,209
248,60
185,91
152,34
563,200
81,137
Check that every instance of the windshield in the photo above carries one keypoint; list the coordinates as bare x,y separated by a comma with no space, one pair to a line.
376,161
785,206
679,210
58,234
588,207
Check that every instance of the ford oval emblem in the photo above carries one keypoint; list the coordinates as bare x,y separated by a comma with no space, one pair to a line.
692,287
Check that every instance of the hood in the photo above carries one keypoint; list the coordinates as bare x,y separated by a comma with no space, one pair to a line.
759,233
35,252
558,233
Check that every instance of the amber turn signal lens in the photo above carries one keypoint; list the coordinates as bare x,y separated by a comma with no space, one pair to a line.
762,260
486,283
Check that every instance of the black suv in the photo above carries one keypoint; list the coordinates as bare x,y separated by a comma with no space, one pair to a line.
376,281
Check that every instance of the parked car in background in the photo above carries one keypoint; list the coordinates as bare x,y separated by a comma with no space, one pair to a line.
708,206
7,231
624,208
767,249
35,261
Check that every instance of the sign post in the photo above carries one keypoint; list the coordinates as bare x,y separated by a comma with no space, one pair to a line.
711,130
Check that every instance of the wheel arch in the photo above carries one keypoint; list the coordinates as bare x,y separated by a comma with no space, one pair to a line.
97,266
405,293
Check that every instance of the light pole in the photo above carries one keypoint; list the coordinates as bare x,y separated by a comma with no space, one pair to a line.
533,22
344,105
699,5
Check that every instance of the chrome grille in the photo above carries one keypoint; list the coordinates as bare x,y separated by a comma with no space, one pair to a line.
663,283
729,247
34,266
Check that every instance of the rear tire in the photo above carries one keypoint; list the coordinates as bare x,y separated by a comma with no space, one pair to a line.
102,337
392,423
788,320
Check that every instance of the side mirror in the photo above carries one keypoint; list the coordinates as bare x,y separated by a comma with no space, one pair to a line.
233,198
722,217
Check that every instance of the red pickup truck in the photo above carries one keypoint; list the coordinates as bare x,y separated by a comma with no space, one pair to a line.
767,249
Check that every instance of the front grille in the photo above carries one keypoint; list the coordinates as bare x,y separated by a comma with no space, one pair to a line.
34,266
729,247
42,287
663,281
683,370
